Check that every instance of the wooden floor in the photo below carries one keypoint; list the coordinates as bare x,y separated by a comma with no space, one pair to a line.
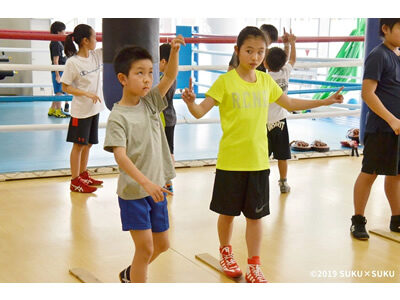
45,230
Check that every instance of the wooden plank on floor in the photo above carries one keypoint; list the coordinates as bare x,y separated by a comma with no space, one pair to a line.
84,275
214,263
393,236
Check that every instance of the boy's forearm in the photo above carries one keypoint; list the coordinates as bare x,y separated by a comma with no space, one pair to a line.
129,168
172,68
292,58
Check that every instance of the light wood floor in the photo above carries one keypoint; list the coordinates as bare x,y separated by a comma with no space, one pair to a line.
45,230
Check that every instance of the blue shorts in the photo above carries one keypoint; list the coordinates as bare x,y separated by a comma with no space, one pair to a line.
144,213
56,86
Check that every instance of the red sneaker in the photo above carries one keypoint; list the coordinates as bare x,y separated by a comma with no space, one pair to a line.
78,185
228,263
254,273
90,180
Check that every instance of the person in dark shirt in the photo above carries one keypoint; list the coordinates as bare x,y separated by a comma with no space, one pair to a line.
168,113
57,58
381,92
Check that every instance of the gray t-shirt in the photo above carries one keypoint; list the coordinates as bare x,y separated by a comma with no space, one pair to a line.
139,129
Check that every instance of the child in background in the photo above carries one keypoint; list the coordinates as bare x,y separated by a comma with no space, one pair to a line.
381,92
278,134
168,113
57,58
82,79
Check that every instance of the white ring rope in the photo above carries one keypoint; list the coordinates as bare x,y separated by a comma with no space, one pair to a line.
41,127
24,85
23,50
27,67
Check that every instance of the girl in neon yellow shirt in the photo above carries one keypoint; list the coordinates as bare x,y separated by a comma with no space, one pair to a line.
241,183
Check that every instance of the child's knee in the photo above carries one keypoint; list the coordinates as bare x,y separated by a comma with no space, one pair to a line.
145,251
162,246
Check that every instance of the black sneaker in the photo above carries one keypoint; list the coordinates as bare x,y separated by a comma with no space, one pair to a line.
357,228
66,107
395,223
124,276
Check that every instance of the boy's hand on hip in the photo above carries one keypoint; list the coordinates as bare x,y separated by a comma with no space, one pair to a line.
395,125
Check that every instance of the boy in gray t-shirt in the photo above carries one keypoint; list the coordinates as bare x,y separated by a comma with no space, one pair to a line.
136,136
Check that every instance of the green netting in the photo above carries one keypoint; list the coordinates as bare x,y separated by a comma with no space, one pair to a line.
348,50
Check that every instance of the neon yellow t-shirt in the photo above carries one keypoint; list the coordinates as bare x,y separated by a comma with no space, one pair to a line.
243,109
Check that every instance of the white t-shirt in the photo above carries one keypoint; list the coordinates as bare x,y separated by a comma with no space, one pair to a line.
85,74
277,112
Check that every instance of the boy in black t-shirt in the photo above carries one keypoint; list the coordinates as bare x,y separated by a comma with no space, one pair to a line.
381,92
57,58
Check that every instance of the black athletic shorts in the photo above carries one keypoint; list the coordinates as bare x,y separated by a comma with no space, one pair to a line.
169,132
84,131
381,154
278,140
241,191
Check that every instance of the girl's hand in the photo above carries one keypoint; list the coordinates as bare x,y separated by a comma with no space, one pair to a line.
335,98
188,96
94,97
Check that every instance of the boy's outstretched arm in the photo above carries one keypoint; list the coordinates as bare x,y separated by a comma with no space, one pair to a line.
292,104
123,161
172,68
292,42
197,110
375,104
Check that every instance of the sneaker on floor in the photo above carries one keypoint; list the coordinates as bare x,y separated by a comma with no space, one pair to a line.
66,107
357,228
89,180
228,263
285,188
254,273
51,112
59,114
395,223
124,275
78,185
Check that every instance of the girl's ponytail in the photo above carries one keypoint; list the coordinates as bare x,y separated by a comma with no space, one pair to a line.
69,48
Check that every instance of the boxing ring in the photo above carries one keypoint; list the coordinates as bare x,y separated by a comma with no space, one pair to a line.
33,145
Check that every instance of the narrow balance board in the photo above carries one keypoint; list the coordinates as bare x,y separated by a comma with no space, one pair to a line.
387,234
214,263
84,276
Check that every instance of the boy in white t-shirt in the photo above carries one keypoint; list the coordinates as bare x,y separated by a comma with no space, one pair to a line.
278,135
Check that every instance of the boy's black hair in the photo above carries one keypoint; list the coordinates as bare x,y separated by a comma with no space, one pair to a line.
388,22
165,50
275,59
127,56
271,31
57,27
